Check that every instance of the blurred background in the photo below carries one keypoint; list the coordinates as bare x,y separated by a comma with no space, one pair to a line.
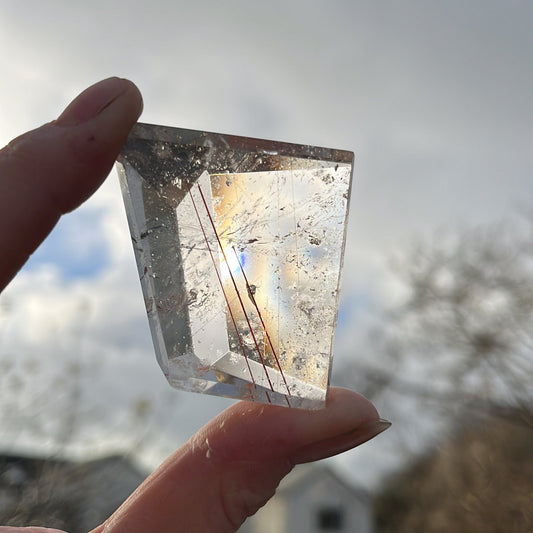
436,318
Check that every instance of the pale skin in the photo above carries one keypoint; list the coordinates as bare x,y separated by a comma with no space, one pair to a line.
246,450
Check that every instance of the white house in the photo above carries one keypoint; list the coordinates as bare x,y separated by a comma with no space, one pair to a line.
313,499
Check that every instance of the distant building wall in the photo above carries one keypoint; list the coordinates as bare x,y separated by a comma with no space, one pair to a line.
313,500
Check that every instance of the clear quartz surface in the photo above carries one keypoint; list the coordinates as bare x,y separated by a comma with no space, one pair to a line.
239,244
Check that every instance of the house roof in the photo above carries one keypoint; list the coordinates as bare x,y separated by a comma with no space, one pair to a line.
63,494
304,475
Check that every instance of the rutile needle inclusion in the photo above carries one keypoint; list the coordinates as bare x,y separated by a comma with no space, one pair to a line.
239,244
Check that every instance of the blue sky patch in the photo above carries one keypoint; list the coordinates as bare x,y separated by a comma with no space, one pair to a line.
76,246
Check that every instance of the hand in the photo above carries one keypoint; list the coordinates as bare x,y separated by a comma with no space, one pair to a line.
232,466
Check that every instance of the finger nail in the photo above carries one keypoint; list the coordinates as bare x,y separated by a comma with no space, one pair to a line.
93,101
340,443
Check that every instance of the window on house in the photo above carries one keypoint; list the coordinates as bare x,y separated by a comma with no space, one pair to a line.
330,518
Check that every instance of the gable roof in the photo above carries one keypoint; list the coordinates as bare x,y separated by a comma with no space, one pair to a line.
311,473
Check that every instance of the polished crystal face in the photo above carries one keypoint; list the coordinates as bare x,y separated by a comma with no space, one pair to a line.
239,245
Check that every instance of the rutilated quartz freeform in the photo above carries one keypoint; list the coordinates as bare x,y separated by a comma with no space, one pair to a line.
239,244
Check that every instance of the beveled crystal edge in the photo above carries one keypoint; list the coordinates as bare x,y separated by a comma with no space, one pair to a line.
146,131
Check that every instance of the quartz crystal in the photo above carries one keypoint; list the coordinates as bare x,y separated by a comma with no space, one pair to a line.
239,244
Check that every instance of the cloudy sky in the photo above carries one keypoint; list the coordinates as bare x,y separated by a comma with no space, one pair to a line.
433,97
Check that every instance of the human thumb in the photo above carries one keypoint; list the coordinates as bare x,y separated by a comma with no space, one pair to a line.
233,465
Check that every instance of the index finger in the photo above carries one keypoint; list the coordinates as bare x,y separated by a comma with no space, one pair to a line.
53,169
